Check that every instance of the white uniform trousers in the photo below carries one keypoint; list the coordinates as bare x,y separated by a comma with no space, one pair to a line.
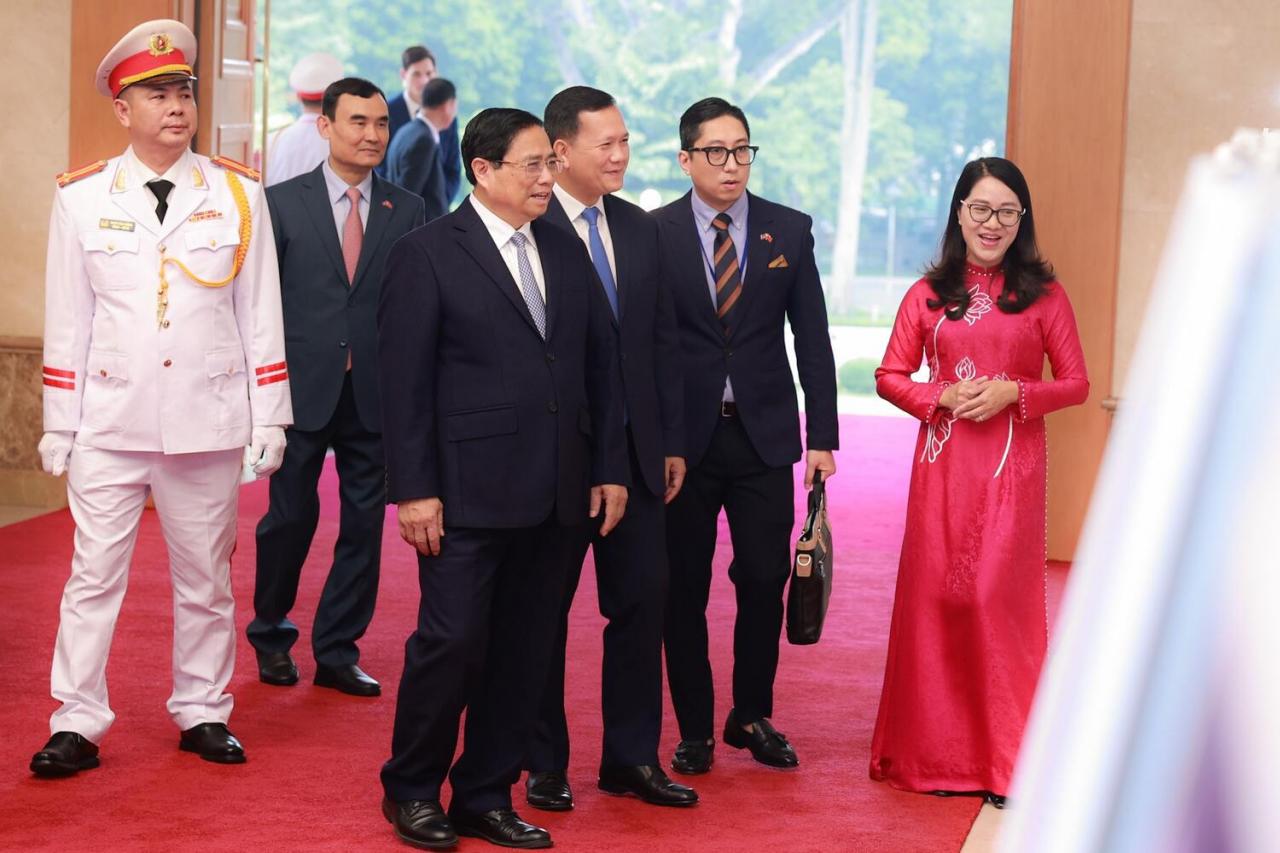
196,496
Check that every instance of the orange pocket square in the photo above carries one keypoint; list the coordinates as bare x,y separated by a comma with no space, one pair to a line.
778,262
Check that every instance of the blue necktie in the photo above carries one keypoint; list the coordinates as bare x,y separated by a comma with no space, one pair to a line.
529,285
599,257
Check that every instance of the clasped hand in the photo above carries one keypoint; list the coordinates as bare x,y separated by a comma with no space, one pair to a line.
979,399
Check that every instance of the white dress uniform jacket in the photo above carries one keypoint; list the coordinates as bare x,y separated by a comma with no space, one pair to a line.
214,366
295,150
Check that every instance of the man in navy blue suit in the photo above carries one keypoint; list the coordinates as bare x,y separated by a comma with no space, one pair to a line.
333,227
417,69
414,158
740,267
589,135
502,418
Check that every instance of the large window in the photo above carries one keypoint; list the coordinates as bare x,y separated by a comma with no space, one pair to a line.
865,111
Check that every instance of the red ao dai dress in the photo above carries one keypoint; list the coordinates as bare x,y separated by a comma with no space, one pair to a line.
969,627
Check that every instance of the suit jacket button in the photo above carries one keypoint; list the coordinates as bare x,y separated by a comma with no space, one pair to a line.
552,408
165,324
342,344
168,362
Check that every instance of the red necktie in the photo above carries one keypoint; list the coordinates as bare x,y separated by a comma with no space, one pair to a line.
352,235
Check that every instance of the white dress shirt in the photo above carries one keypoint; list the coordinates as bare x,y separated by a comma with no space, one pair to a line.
502,233
336,188
573,209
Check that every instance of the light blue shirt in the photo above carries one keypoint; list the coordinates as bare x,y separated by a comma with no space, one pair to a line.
703,213
337,190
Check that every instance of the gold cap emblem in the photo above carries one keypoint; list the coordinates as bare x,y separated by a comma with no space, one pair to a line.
160,44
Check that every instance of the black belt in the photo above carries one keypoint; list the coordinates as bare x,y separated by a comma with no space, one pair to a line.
728,409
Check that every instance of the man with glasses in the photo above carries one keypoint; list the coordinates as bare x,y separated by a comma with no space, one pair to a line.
588,133
739,267
502,424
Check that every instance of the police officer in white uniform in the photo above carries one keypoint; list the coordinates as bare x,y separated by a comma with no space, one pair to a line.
163,359
298,148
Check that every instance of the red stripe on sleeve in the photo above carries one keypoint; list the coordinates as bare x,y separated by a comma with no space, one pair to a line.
65,374
275,377
270,368
58,383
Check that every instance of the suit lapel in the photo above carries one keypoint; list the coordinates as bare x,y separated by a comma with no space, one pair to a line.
692,264
758,221
621,253
475,240
380,213
185,197
320,209
549,256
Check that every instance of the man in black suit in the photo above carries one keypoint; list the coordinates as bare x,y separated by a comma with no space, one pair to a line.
588,133
740,267
417,69
333,229
507,417
414,156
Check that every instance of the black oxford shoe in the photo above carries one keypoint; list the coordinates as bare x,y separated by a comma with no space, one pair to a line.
647,782
548,791
502,827
693,757
349,679
767,744
212,742
420,823
66,754
277,668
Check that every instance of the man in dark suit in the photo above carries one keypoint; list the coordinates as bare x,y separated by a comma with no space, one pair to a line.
588,133
333,229
417,69
739,267
507,417
414,156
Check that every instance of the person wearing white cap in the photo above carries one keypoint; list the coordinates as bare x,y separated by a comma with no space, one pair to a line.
298,148
163,358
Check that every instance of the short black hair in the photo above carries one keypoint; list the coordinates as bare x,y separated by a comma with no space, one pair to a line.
488,136
561,115
414,55
357,86
437,92
704,111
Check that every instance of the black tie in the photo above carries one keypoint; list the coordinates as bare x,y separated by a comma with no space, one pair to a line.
160,188
725,265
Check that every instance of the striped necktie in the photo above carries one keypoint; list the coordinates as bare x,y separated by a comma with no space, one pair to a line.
529,285
725,267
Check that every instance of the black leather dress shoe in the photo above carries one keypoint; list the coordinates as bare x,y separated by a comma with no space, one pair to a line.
647,782
349,679
693,757
767,744
277,668
502,827
548,791
420,823
212,742
66,754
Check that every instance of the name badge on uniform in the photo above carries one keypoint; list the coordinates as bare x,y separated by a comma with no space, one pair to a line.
115,224
201,216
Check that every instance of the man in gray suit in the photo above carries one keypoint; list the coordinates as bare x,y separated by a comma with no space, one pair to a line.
333,229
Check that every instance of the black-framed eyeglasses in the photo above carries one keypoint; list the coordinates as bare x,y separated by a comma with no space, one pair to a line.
718,155
1006,216
533,168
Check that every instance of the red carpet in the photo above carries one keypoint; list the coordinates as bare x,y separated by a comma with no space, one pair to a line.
311,782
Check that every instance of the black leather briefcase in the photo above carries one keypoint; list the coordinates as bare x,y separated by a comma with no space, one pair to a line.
810,589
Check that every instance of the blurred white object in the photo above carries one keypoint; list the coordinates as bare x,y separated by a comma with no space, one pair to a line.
1155,723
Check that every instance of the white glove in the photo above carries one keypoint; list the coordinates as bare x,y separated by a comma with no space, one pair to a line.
266,452
54,448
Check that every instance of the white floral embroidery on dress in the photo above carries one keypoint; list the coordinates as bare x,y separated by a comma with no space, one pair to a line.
1004,377
979,304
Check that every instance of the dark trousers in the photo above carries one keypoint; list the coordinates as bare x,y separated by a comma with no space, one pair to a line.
631,580
758,501
486,625
284,537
